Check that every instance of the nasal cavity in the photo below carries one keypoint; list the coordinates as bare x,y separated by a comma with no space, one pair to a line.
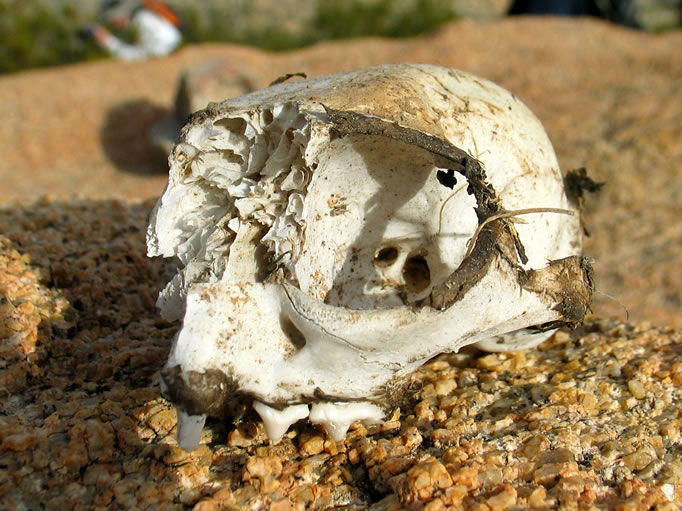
294,335
416,274
386,256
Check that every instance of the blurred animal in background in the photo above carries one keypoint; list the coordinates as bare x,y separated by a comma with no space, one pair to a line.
156,28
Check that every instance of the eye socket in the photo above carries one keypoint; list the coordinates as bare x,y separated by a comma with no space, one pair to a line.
386,256
416,274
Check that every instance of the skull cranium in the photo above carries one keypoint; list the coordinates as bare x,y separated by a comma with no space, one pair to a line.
336,233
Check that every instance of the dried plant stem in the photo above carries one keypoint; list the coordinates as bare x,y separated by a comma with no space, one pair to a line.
510,214
442,208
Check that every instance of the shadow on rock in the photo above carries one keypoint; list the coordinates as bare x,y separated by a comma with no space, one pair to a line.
126,137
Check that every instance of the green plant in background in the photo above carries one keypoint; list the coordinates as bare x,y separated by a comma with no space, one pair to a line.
332,19
339,19
215,23
42,33
32,35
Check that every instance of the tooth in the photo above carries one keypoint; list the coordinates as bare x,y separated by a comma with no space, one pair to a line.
189,429
277,422
337,417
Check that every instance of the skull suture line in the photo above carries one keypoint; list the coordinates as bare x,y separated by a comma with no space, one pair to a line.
323,228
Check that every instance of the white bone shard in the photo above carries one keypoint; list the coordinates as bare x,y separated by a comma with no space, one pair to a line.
335,233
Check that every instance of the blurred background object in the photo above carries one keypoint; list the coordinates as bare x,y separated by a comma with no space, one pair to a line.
44,32
623,12
154,28
200,84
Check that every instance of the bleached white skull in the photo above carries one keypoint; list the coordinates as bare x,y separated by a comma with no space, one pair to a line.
336,233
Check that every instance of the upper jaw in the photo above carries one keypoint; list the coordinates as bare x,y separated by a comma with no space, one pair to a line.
326,352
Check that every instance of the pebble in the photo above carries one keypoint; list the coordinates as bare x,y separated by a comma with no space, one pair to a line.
503,500
313,445
445,387
637,389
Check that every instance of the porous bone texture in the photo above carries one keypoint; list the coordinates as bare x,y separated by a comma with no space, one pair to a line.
319,256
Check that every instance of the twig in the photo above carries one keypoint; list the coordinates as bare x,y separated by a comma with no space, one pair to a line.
509,214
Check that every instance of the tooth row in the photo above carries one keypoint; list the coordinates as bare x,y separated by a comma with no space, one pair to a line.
335,417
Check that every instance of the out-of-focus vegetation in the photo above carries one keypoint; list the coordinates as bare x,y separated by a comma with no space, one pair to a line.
329,19
34,34
337,19
37,33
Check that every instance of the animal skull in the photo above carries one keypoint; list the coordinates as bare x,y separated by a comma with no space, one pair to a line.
336,233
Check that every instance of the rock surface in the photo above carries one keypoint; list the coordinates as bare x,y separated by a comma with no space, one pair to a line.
592,417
